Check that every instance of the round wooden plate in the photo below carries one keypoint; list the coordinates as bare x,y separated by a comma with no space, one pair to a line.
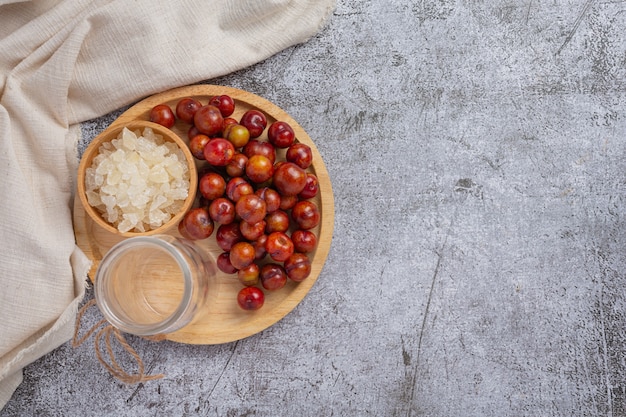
223,320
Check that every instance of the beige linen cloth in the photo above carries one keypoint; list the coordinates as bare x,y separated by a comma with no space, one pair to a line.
66,61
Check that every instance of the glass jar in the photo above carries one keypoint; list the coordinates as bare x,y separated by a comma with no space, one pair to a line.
150,285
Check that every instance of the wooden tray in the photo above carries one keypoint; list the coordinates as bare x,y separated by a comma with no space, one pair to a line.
223,320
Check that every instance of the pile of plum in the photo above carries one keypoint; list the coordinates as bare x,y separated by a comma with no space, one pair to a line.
259,207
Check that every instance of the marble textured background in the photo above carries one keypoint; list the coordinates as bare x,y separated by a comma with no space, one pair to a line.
477,152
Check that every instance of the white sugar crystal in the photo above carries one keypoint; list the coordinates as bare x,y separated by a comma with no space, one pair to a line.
158,202
157,217
108,200
114,177
148,133
109,192
94,198
111,215
125,225
122,188
160,151
158,174
129,140
127,170
174,167
123,201
103,166
177,194
138,181
118,156
116,145
142,169
90,178
145,146
175,207
132,217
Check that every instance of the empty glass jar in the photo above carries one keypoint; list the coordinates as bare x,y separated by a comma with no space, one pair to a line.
151,285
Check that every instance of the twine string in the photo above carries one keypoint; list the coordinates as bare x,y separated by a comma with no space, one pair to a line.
76,342
104,335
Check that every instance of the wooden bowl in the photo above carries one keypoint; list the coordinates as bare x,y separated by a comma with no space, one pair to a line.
111,133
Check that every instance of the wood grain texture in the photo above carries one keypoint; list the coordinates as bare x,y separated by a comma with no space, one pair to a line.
223,320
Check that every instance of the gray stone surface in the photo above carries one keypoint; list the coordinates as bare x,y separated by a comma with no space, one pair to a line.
478,156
